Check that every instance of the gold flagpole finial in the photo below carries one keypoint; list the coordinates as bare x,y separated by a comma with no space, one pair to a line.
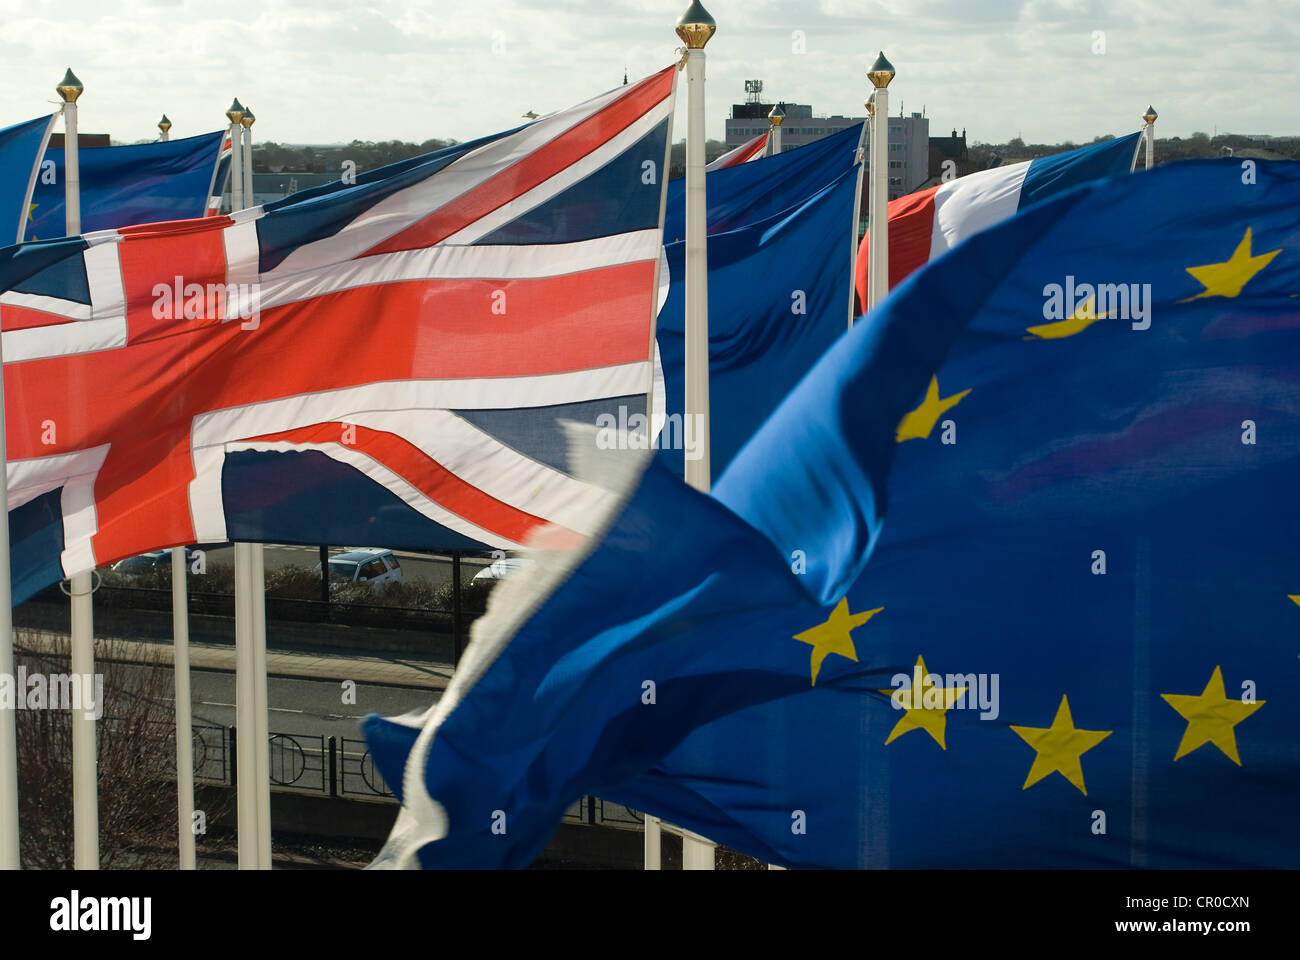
69,87
881,72
695,26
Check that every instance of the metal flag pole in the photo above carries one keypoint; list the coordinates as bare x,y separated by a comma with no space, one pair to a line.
873,203
236,114
261,721
1150,118
880,74
184,731
695,28
775,118
246,786
85,760
164,128
9,859
256,584
247,123
857,206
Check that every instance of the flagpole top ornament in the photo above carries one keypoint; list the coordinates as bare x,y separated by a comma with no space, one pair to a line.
776,116
1150,115
247,119
236,112
695,26
164,124
871,105
881,72
69,87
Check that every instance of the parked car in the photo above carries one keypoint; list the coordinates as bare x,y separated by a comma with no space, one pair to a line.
500,569
134,567
376,567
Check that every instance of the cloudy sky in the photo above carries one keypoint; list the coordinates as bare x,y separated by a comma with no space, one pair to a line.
328,71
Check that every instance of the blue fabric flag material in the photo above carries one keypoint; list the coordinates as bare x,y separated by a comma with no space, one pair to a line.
780,261
122,186
20,150
1072,645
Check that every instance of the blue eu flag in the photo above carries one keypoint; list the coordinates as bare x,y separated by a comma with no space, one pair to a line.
127,185
1074,644
781,249
20,149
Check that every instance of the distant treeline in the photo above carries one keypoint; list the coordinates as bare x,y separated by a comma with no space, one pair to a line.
274,157
271,157
1198,145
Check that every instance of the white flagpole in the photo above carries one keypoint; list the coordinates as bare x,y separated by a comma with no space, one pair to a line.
164,126
775,118
236,114
10,858
857,207
1150,118
246,787
184,732
256,584
249,728
85,760
695,27
247,124
261,716
880,74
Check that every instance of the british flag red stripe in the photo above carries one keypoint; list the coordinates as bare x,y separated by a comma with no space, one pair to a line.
377,324
753,149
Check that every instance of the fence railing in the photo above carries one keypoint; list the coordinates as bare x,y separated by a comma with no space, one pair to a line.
342,767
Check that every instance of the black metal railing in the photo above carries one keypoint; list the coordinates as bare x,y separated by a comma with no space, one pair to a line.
335,767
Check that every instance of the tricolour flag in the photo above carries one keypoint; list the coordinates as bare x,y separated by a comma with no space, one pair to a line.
389,356
129,185
927,224
1071,644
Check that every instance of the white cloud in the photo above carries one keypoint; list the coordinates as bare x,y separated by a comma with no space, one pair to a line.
333,70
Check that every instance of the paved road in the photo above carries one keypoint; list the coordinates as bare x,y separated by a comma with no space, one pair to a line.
313,707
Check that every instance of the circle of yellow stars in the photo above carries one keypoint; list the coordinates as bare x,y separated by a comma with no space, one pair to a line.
1212,716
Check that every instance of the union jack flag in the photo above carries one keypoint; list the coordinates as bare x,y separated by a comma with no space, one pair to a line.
390,355
755,149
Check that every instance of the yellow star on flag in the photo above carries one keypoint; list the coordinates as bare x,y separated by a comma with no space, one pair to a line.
1226,279
1210,718
1059,747
925,705
833,636
918,424
1083,318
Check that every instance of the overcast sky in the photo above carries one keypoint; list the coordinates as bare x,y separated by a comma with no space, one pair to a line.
328,71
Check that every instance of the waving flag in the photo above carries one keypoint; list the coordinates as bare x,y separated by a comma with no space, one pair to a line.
220,177
926,224
780,263
1071,645
21,149
389,355
124,186
754,149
